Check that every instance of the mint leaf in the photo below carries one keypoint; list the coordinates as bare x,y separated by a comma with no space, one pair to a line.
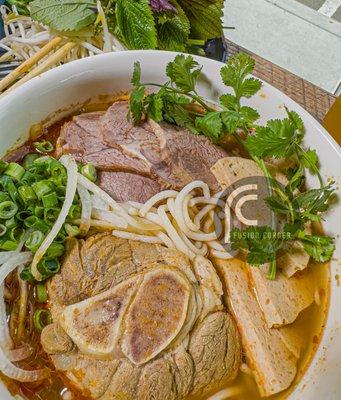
135,22
173,30
64,15
184,72
205,17
210,125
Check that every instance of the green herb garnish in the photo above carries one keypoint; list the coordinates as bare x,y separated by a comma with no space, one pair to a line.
177,101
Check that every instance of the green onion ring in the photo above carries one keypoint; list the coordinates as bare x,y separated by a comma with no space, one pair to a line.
42,318
44,146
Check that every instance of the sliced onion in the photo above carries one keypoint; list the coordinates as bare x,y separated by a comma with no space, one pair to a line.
97,202
6,255
109,216
71,186
137,237
18,259
18,374
82,180
19,354
86,203
156,199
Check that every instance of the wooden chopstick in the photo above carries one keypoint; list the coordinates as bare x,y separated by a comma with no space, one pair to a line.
25,66
49,62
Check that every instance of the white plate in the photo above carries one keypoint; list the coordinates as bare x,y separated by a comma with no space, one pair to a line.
81,80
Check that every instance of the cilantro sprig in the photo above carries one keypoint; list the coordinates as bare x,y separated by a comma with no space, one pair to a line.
178,102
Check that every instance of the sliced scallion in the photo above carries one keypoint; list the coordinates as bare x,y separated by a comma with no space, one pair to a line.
27,193
3,166
42,318
37,223
89,171
26,274
34,240
15,171
41,293
55,250
72,230
48,267
3,230
42,188
29,159
44,147
8,209
50,200
8,245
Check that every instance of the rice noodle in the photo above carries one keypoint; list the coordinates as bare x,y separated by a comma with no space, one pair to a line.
86,203
71,186
134,236
173,234
156,199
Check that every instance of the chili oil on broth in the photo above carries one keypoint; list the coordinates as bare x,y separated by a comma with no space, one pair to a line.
309,324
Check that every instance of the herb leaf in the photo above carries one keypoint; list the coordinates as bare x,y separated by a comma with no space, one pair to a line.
211,125
320,248
183,73
64,15
136,104
136,24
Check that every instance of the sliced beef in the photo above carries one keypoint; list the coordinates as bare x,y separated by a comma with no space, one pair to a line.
128,322
175,156
82,138
124,186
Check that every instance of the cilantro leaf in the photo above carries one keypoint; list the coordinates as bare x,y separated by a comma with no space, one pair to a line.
154,106
262,243
183,72
136,24
250,87
136,77
64,15
278,139
210,125
320,248
310,204
229,101
309,159
136,105
243,118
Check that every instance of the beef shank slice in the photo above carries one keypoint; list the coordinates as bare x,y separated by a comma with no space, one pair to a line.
156,315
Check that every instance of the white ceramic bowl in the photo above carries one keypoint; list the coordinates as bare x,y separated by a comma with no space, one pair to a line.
65,87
